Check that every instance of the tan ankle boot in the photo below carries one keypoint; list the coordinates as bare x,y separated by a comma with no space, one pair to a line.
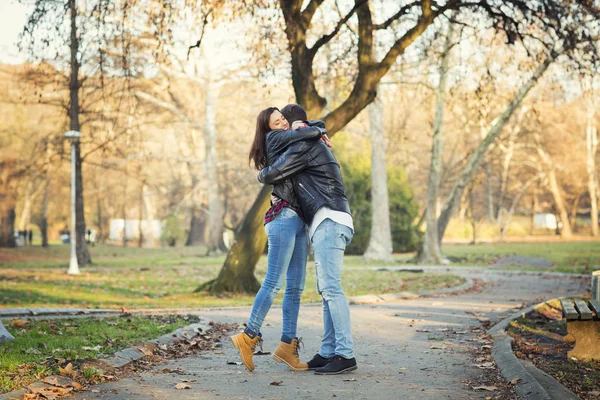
246,345
288,353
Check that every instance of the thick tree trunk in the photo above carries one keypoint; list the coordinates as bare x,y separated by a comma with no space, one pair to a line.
469,171
83,255
215,243
237,274
380,242
430,252
591,136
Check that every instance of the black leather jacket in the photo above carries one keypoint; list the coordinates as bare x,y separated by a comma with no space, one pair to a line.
278,141
315,175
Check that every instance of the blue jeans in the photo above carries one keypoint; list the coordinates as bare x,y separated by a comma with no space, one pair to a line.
288,250
329,243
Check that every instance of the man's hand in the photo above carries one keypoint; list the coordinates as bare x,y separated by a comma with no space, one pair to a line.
298,124
325,139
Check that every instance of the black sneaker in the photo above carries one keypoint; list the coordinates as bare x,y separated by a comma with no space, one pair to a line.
338,365
318,361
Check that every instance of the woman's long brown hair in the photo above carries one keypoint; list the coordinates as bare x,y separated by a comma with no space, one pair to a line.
258,151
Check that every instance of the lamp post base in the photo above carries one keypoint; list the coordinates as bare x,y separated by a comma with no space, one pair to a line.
73,267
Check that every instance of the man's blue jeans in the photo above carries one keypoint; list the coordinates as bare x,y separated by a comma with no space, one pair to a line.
288,250
329,243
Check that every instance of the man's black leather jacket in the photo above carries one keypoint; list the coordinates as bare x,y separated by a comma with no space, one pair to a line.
278,141
315,175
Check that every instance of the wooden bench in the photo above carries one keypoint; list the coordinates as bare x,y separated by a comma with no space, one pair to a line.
583,327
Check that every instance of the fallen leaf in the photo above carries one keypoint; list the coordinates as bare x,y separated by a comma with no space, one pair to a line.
19,323
182,385
515,381
95,391
68,370
350,380
438,346
488,388
276,383
234,363
486,346
51,381
77,386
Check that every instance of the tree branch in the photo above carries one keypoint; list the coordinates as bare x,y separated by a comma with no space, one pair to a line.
403,11
327,38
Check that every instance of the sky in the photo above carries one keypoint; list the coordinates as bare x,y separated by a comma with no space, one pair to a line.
12,19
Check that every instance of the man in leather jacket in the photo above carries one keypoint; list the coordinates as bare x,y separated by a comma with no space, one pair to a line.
317,182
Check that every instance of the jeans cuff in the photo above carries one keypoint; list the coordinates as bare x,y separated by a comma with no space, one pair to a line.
251,333
286,339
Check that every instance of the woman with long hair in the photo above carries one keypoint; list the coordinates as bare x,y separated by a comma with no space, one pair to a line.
287,244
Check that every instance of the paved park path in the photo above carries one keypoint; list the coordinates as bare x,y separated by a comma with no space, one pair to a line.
395,358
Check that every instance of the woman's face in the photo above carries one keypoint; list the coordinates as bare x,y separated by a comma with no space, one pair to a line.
278,121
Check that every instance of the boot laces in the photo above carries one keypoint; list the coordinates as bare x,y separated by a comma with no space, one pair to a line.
258,343
298,346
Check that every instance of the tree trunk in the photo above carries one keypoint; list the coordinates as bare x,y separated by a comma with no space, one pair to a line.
197,222
591,136
514,205
469,171
124,210
141,217
215,243
44,211
83,255
534,208
25,219
430,252
149,215
237,274
380,242
574,207
565,230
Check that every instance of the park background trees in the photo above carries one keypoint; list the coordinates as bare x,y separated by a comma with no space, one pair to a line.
167,125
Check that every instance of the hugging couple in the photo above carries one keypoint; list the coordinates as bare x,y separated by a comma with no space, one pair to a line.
307,203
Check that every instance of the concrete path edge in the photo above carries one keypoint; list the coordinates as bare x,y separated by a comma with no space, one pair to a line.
530,378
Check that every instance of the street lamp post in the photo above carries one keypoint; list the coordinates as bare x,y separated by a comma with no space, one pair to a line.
73,136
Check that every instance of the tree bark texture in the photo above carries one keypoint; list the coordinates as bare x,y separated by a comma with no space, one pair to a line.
498,124
591,141
83,255
380,242
215,243
430,252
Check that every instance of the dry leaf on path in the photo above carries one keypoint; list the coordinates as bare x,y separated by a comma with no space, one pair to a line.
350,380
488,388
276,383
19,323
77,386
438,346
234,363
68,370
180,386
485,365
515,381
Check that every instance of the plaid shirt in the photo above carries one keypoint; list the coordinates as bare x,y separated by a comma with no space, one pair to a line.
276,206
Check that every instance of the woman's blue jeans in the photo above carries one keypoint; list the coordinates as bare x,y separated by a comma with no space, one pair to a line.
288,251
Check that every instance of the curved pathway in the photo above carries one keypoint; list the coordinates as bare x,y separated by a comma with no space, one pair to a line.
413,349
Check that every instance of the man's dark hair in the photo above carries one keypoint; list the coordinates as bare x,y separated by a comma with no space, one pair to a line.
294,112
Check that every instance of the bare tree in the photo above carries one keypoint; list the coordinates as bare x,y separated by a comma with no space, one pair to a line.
431,252
380,241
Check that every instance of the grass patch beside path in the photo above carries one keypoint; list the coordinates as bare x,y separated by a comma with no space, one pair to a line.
163,278
41,346
572,257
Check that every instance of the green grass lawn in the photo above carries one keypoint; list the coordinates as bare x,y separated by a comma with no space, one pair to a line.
41,346
574,257
162,278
